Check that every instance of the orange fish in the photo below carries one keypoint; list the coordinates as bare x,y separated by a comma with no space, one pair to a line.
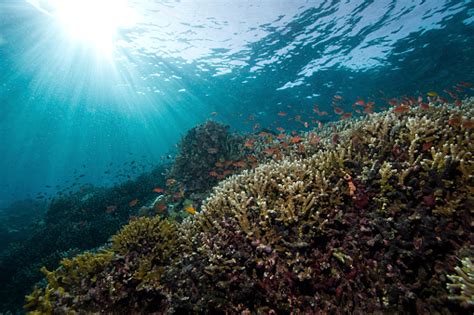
219,164
281,136
337,97
240,164
424,106
190,210
160,207
249,143
296,139
368,110
338,110
133,203
213,174
282,114
401,109
280,129
158,190
346,116
360,103
268,151
263,134
393,102
227,172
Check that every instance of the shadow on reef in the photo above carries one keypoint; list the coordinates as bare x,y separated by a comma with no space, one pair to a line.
374,216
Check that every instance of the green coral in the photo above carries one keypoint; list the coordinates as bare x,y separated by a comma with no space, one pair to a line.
461,287
113,278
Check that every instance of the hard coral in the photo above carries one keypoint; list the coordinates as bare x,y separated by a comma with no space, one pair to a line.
199,151
298,235
366,226
127,276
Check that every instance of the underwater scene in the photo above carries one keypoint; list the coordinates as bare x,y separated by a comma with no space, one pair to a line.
236,157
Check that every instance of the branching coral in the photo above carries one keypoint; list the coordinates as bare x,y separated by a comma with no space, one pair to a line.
462,287
293,235
305,234
200,149
112,279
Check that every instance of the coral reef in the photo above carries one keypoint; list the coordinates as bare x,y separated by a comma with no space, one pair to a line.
82,220
368,219
462,286
199,151
369,223
125,277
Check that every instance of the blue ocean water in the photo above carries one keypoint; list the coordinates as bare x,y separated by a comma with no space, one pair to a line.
81,109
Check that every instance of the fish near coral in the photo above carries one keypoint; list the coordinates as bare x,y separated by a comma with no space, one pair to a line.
133,203
190,210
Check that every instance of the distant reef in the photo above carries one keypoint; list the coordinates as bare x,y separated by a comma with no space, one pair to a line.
368,216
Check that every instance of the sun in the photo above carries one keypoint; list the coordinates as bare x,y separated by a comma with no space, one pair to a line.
93,21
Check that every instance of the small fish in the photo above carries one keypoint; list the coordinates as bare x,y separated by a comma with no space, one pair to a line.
338,97
338,110
306,125
432,94
159,207
280,129
465,84
401,109
269,151
249,143
240,164
133,203
158,190
424,106
227,172
393,102
360,103
218,164
346,116
213,174
282,114
212,150
190,210
281,136
296,139
214,114
111,209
